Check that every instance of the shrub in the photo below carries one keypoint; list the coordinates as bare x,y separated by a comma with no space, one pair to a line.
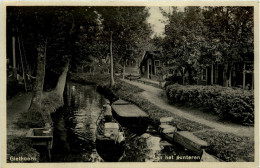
227,146
21,147
228,103
30,119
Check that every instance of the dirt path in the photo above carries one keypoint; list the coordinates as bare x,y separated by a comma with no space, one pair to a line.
15,106
157,96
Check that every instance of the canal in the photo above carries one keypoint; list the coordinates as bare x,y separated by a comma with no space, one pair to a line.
74,132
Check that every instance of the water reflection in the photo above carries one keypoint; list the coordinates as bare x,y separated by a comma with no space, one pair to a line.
74,132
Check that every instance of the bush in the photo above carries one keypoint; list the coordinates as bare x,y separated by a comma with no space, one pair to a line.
30,119
228,103
228,147
21,147
168,83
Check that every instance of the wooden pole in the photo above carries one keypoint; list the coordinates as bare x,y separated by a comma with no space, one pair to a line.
14,58
148,69
244,76
230,77
207,76
124,70
23,66
112,82
212,79
252,80
183,75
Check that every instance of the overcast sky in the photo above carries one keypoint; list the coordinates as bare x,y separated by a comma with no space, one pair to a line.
156,19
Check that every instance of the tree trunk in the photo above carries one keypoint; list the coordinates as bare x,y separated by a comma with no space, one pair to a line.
190,76
124,70
61,82
39,81
14,59
212,74
244,76
183,75
93,72
112,81
148,73
228,76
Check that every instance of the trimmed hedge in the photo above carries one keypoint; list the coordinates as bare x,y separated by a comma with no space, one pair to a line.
232,104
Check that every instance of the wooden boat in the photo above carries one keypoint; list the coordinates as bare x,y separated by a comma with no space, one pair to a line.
130,116
133,76
110,140
41,138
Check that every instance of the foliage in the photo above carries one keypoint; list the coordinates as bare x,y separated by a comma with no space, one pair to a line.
87,78
231,29
129,27
231,104
21,147
228,147
199,36
183,34
34,118
30,119
169,82
136,151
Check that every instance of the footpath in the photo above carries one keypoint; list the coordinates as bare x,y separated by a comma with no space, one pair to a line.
158,97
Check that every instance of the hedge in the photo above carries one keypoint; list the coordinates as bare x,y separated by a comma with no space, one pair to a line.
233,104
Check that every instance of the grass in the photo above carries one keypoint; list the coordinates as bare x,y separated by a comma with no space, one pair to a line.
228,147
20,147
86,78
33,118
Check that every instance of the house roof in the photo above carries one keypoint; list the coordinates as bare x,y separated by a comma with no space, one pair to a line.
151,55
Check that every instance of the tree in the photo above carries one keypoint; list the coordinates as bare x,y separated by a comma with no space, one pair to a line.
232,29
50,34
199,37
183,34
125,26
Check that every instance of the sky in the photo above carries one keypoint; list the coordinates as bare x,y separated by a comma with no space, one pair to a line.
157,20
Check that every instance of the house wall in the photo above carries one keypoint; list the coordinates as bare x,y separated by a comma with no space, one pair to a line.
144,71
217,75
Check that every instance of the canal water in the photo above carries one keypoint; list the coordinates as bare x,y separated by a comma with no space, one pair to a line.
74,132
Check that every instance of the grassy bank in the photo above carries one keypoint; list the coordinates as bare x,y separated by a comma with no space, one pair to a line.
89,78
50,103
228,147
21,147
